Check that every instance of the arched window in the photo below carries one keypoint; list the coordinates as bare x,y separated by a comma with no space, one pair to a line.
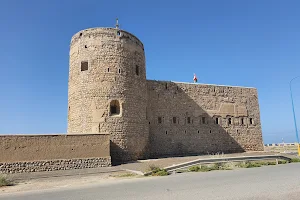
114,107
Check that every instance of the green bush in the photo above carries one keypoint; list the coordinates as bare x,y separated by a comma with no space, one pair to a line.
194,169
248,164
282,162
203,168
295,160
161,172
272,163
216,166
156,171
4,182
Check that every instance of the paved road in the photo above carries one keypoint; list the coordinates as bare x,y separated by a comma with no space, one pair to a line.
273,182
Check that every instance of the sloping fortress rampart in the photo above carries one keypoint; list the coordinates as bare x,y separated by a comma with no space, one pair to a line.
109,93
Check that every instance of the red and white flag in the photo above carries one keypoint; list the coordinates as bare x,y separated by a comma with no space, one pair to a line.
195,78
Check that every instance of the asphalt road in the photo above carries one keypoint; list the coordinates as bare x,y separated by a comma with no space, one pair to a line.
272,182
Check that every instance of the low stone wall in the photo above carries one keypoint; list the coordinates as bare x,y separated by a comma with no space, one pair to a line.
53,165
35,153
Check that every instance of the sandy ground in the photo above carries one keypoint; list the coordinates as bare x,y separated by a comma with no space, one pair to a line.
64,182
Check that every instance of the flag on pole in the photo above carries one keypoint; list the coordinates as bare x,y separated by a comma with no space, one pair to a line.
195,78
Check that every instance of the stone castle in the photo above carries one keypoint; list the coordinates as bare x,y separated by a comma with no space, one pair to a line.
109,94
116,115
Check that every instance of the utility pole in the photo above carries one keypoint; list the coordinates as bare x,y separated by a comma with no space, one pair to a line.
295,115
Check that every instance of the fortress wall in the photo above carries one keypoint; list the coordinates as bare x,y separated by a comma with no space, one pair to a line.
183,119
25,153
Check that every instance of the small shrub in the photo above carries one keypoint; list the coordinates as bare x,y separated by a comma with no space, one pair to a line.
202,168
156,171
282,162
295,160
248,164
272,163
4,181
254,164
194,169
219,166
161,172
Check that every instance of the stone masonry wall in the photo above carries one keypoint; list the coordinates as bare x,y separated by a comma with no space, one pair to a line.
199,119
116,72
21,153
53,165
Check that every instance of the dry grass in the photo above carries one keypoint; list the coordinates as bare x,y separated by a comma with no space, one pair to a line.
4,181
157,171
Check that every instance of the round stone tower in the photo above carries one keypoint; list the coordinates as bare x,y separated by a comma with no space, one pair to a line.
107,90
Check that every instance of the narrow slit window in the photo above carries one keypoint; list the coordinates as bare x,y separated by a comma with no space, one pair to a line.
114,107
242,121
188,120
203,120
84,66
119,71
166,132
217,120
107,69
251,121
159,120
137,70
174,120
229,120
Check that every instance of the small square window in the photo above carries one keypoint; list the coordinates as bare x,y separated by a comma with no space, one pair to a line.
84,65
114,107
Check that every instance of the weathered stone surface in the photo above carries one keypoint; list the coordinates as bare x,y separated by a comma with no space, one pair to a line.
53,165
156,118
16,148
116,71
183,136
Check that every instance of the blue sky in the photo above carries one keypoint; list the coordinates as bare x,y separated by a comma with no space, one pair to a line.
246,43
